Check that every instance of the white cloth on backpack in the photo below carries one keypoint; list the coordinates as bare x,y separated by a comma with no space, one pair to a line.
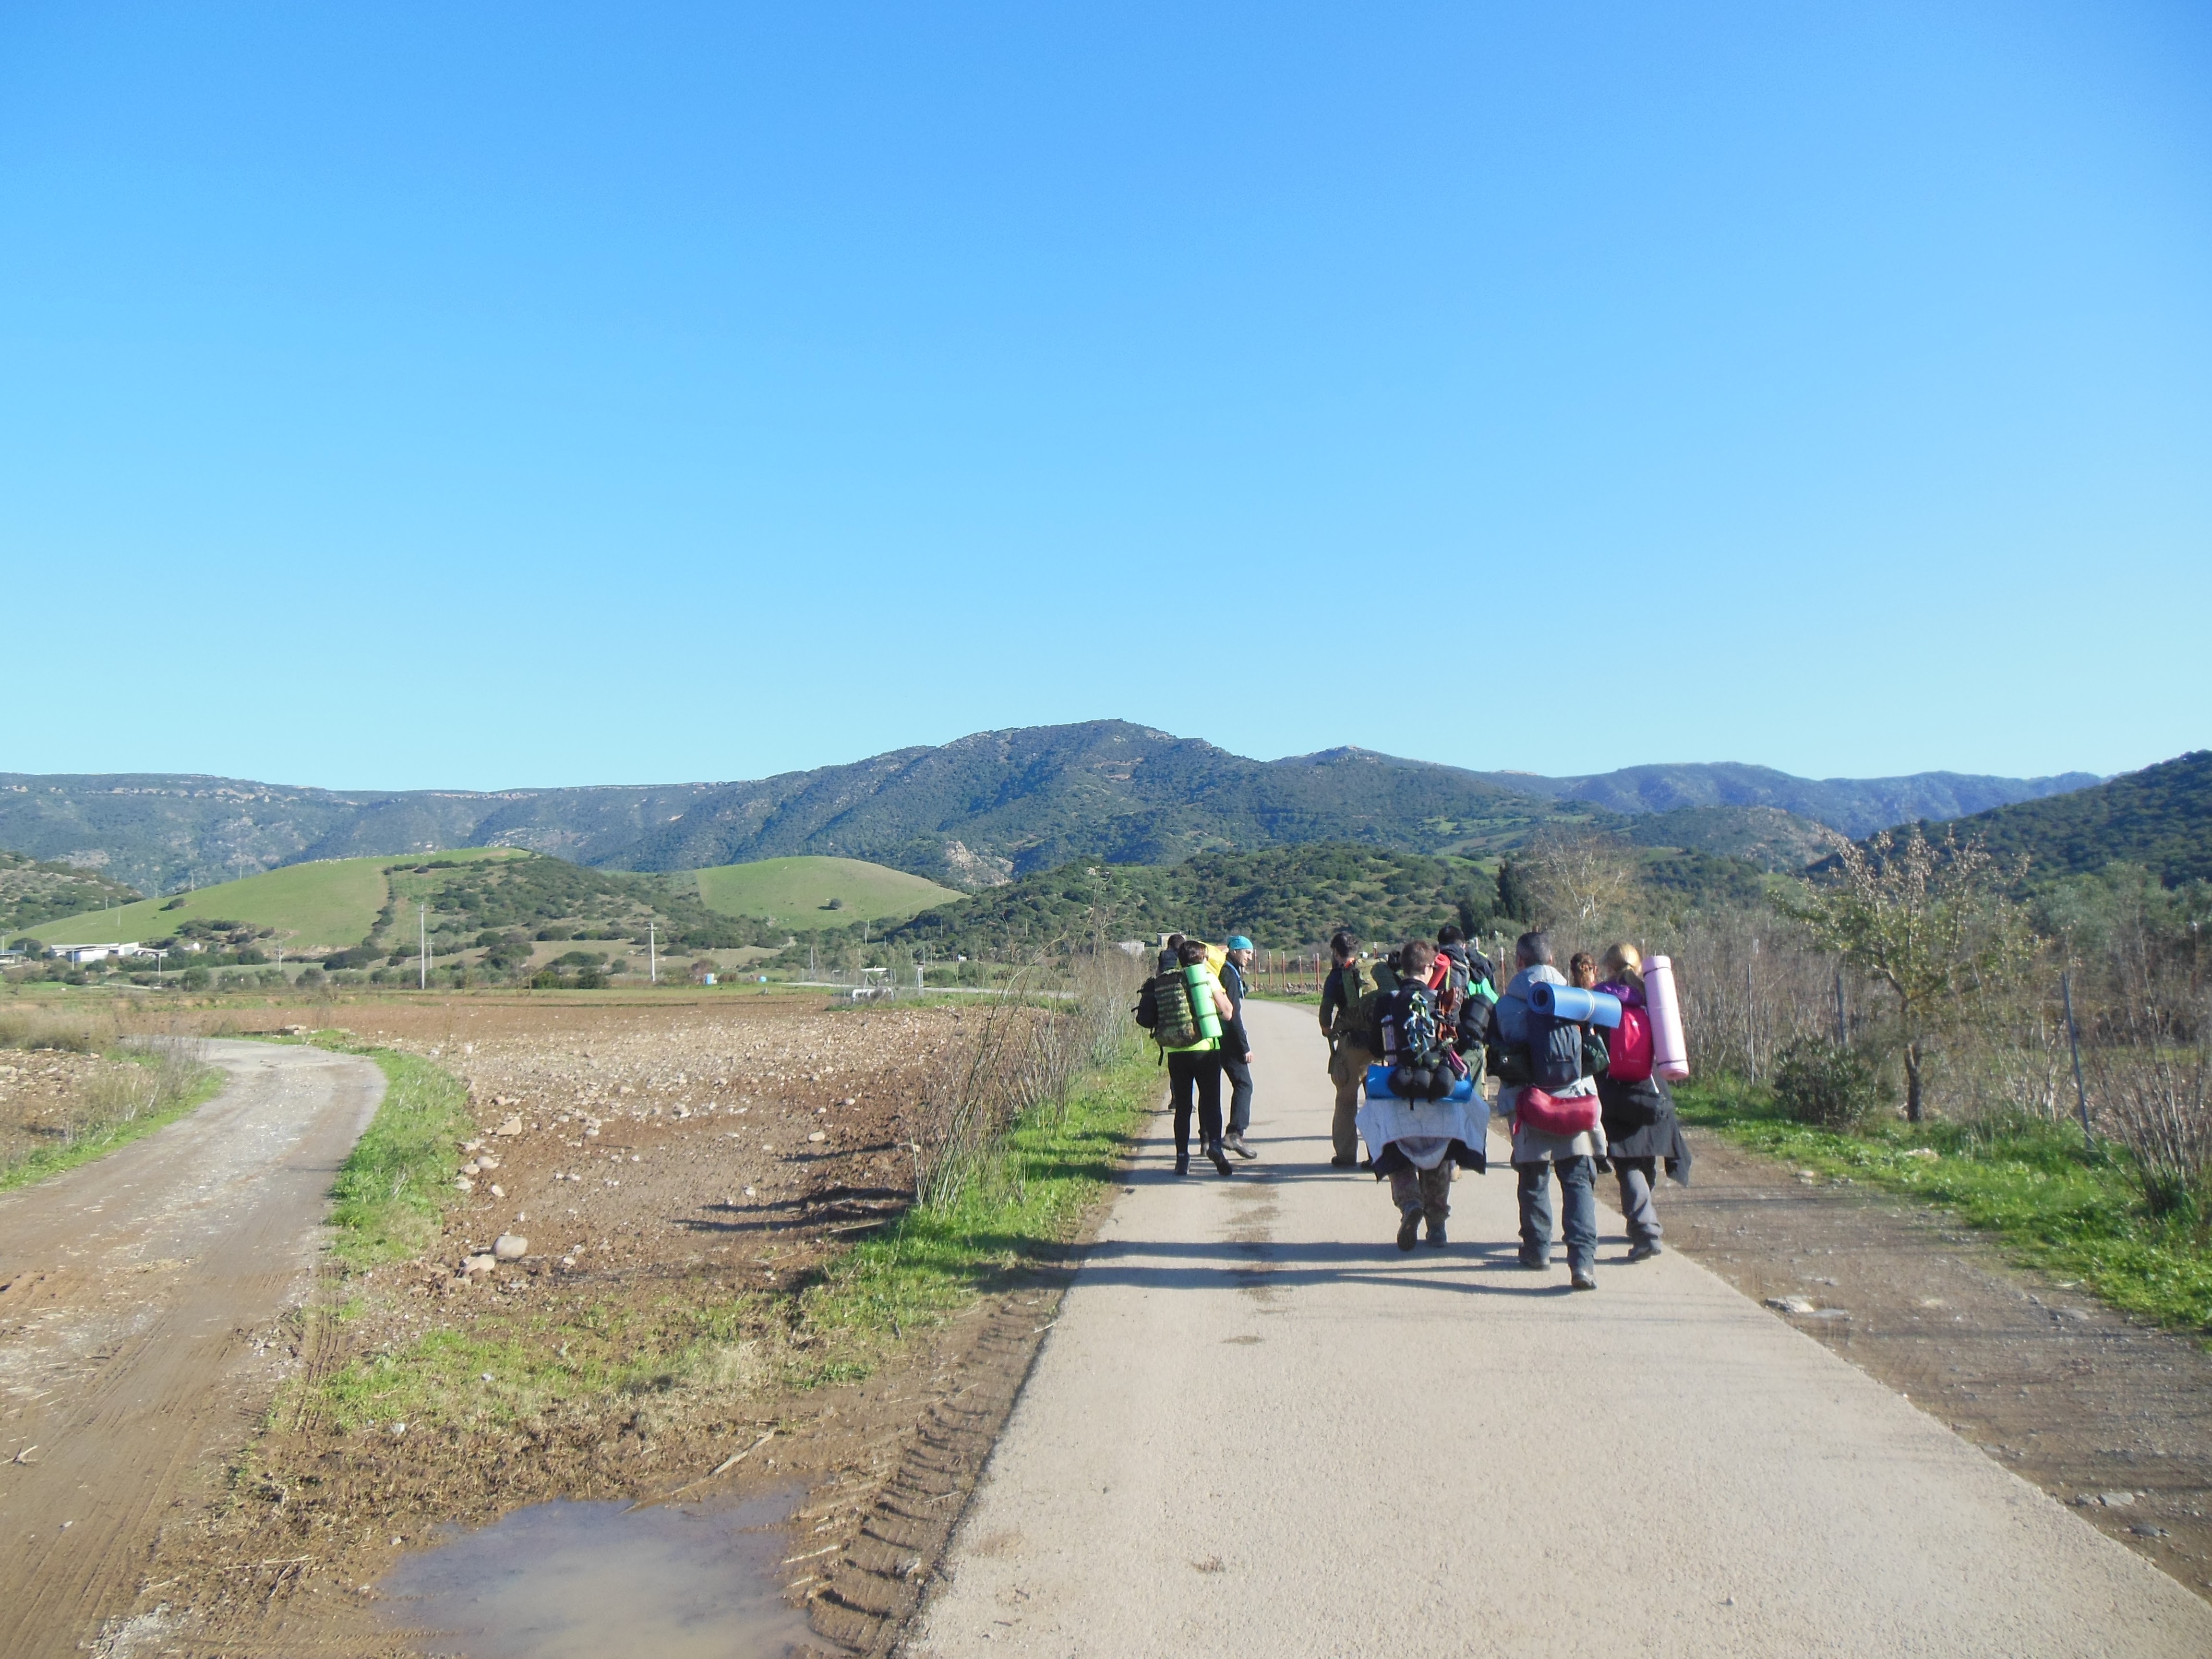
1423,1129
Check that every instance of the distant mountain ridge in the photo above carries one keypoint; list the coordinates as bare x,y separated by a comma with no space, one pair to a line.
971,812
1854,807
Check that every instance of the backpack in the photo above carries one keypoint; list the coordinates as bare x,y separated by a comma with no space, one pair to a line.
1555,1051
1166,1000
1421,1067
1351,987
1362,1025
1475,1012
1629,1048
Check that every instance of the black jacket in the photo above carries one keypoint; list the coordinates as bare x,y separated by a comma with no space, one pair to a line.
1233,1040
1624,1107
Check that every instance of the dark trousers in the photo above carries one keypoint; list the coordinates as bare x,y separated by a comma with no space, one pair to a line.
1637,1176
1580,1222
1201,1072
1240,1091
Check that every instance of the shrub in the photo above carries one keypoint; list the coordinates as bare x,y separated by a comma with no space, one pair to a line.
196,979
1820,1082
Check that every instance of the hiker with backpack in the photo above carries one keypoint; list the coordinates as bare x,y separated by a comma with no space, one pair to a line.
1420,1130
1186,1010
1545,1069
1347,1020
1236,1045
1640,1126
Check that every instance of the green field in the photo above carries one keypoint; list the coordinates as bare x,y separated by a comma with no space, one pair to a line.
330,904
793,891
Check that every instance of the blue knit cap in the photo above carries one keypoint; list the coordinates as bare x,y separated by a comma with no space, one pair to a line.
1238,942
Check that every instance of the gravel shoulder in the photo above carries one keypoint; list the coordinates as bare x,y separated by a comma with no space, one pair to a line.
2108,1416
139,1297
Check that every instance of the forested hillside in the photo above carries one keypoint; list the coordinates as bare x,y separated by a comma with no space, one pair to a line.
32,892
2159,817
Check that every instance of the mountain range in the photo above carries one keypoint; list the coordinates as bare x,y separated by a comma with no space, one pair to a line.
973,812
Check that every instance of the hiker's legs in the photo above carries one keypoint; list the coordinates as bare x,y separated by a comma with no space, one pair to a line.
1577,1191
1406,1190
1635,1175
1435,1192
1181,1076
1206,1072
1240,1092
1535,1193
1348,1067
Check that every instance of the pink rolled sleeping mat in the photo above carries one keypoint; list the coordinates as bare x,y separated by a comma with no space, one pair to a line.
1670,1050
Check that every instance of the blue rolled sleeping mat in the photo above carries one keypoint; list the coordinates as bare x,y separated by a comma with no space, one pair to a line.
1378,1085
1573,1004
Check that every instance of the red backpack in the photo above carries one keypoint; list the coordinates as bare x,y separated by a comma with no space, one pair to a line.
1629,1047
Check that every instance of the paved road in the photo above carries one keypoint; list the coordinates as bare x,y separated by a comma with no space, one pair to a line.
1259,1429
131,1293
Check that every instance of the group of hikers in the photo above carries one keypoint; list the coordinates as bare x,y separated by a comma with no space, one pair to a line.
1415,1032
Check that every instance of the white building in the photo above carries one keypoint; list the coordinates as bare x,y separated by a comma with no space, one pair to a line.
78,955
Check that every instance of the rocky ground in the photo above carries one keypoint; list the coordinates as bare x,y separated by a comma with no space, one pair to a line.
679,1171
48,1095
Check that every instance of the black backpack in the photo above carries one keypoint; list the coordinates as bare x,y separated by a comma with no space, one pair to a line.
1421,1067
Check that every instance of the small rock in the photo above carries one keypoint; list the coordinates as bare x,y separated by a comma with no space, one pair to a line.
465,1183
2142,1531
818,1135
2116,1500
1791,1304
511,1126
1925,1154
471,1145
483,1162
1808,1176
472,1168
498,1191
2078,1315
510,1246
479,1264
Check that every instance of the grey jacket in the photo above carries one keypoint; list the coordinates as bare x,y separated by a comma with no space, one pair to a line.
1533,1145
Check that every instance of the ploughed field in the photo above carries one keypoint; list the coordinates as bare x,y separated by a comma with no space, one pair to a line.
681,1172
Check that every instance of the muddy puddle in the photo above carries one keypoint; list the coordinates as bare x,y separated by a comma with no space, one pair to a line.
583,1580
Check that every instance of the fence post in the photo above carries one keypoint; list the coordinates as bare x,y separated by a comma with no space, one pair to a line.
2074,1043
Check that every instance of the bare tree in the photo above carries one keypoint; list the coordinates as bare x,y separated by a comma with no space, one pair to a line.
1927,922
1580,881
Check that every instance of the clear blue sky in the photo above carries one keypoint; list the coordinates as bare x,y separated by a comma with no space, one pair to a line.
410,395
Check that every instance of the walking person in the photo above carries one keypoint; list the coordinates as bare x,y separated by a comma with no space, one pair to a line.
1237,1046
1641,1128
1195,1066
1353,1044
1545,1069
1418,1134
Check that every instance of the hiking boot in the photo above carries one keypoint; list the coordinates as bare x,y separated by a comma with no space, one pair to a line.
1183,1163
1344,1164
1584,1280
1220,1158
1436,1232
1535,1263
1236,1144
1409,1230
1644,1251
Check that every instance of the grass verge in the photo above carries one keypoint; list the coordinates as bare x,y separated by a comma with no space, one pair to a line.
1022,1211
390,1192
2054,1205
41,1162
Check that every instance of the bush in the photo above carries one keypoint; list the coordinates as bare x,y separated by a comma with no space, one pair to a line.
1819,1083
196,979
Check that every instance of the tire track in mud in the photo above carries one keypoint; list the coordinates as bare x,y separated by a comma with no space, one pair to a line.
135,1295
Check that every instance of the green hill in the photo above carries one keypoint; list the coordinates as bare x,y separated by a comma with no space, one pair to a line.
799,892
2159,817
325,906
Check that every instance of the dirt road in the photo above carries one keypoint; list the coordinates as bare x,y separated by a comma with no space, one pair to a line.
1256,1427
135,1294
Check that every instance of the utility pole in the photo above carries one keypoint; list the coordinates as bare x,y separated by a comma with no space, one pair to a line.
422,947
652,954
2074,1043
